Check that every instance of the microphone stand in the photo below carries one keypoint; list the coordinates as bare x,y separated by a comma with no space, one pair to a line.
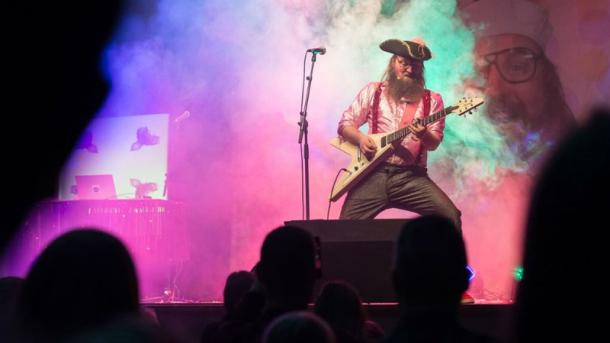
303,133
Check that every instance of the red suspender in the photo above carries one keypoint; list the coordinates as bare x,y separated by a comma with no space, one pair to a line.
376,107
426,98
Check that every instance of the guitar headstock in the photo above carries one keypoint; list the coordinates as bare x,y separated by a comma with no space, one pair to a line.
466,105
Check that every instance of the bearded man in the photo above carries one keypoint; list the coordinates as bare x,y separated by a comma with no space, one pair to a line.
523,91
399,100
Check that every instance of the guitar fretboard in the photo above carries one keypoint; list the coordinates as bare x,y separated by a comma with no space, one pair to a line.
401,133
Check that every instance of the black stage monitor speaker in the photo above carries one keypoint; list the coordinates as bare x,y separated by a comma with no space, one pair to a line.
359,252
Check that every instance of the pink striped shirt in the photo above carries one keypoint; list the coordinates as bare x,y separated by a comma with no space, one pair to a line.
389,118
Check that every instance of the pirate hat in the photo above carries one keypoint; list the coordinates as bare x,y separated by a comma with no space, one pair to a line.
415,49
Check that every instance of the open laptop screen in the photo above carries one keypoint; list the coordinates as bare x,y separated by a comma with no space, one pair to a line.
95,187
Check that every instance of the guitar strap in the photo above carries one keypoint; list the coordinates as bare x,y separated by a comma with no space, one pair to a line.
426,99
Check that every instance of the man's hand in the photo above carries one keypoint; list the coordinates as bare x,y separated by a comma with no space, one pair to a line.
417,131
367,146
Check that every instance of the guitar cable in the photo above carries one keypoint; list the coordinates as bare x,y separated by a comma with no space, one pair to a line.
332,189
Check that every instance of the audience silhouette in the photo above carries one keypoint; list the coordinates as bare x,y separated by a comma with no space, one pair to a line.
10,288
83,283
340,305
54,87
286,273
566,239
429,277
298,327
236,287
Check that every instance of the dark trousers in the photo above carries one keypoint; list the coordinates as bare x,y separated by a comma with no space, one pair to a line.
408,188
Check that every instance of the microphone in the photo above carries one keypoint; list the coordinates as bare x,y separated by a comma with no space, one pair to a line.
183,116
319,50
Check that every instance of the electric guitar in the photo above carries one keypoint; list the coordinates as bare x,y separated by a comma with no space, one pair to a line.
360,166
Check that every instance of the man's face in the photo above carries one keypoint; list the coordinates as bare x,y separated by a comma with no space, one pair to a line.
407,67
405,79
514,79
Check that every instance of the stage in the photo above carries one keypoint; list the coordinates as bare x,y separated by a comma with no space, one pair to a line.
163,243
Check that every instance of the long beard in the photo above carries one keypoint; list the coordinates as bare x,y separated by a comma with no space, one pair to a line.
507,115
405,87
523,137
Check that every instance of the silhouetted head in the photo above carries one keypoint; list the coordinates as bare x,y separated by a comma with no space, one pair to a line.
10,288
340,305
298,327
287,266
430,268
83,279
566,250
237,285
56,87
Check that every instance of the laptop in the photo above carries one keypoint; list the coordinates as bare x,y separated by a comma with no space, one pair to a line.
89,187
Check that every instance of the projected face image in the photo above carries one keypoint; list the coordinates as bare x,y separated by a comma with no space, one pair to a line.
524,94
513,80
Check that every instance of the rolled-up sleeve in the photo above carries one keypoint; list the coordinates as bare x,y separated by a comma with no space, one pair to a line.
358,112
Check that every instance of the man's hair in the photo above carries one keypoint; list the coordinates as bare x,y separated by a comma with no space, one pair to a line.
237,285
82,279
298,327
287,263
340,305
430,265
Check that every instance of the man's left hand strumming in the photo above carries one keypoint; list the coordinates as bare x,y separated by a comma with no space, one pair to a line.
418,131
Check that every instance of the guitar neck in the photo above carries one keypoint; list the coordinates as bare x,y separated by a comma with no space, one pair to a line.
401,133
